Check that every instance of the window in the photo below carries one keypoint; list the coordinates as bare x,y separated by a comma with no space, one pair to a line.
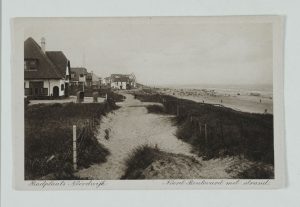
62,87
45,91
30,64
81,75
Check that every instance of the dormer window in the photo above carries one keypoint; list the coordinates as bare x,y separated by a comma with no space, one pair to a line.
30,64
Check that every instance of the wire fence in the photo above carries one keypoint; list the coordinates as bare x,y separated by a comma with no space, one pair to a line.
215,130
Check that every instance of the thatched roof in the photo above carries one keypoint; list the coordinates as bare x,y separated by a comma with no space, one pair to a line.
48,68
60,61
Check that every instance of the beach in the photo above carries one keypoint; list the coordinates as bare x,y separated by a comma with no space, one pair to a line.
252,101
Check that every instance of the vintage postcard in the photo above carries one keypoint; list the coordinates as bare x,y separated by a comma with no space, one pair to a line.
148,103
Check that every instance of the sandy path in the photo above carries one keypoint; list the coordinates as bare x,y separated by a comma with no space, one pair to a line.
132,126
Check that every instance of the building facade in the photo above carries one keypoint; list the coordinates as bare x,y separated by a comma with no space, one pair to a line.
78,76
46,73
122,81
92,80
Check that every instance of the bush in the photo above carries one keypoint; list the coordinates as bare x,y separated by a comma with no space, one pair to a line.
139,160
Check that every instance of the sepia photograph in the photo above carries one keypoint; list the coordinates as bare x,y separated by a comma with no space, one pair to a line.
149,98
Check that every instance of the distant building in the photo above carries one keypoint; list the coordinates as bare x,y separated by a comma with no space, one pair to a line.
106,81
122,81
78,76
46,73
92,80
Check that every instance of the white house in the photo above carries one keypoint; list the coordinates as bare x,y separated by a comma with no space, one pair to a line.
79,76
121,81
46,73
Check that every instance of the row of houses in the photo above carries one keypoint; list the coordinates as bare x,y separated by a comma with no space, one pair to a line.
49,73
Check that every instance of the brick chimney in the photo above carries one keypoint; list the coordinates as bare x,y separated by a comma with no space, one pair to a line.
43,44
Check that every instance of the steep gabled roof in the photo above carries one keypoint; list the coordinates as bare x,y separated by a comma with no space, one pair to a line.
78,71
46,68
59,59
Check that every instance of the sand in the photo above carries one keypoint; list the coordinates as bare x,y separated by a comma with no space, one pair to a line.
131,126
246,102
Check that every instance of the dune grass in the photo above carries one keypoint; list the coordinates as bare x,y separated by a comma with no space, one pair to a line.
156,109
139,160
48,138
228,132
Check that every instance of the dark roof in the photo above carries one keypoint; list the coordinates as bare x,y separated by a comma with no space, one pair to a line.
119,78
47,69
78,71
60,60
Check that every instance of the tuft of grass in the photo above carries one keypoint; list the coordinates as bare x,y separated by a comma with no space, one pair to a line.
155,109
139,160
257,171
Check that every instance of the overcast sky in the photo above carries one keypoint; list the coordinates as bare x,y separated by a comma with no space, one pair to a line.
163,52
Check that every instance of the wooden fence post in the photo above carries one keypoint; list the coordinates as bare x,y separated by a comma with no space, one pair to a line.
200,128
205,134
74,149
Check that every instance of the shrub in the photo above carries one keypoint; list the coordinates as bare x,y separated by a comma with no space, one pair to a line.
139,160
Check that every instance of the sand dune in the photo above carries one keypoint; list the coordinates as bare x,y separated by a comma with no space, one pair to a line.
132,126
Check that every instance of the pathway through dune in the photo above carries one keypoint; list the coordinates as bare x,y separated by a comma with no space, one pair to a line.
129,127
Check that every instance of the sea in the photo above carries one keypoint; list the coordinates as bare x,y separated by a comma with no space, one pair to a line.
262,89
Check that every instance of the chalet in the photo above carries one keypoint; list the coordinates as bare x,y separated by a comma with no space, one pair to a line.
121,81
46,73
78,76
92,80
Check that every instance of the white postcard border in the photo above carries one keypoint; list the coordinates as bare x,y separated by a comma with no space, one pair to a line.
279,128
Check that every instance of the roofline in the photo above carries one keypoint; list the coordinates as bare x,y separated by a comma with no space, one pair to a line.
47,59
44,79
